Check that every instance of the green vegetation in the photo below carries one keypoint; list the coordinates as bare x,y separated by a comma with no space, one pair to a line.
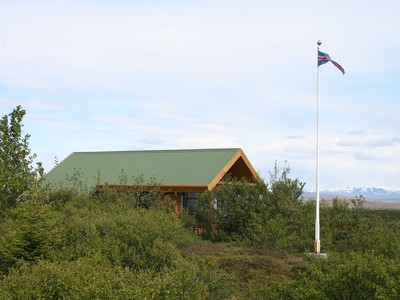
18,177
91,249
70,243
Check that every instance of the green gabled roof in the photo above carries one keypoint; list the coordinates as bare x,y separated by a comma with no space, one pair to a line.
198,167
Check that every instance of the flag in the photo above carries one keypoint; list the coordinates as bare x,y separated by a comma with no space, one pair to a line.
323,58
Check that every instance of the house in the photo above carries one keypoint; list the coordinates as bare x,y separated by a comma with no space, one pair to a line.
182,174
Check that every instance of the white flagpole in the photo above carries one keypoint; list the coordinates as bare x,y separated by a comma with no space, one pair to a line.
317,243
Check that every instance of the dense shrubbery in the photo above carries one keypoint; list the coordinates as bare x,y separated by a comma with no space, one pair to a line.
275,217
89,249
131,238
28,233
363,246
353,275
72,245
265,215
95,278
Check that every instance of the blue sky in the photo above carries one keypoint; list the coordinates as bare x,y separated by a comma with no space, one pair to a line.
127,75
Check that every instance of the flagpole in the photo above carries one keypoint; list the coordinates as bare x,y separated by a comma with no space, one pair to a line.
317,243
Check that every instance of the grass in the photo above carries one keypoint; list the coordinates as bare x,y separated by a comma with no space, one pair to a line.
247,266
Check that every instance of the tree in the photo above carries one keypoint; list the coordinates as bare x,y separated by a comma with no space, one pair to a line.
233,210
284,190
265,215
18,176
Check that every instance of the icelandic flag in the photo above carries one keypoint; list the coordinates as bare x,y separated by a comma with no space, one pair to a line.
323,58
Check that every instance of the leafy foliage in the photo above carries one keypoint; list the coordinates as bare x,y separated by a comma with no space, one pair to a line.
18,177
262,215
146,193
349,276
230,211
131,238
28,233
284,190
91,249
104,247
94,278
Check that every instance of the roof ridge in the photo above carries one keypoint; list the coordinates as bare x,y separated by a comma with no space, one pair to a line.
155,150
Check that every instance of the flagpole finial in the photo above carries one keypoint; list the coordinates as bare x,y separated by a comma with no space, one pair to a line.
319,43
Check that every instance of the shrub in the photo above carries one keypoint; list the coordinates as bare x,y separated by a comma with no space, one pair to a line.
232,211
28,233
349,276
95,278
374,234
128,237
259,215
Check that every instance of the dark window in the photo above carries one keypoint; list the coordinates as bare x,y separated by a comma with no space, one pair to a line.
190,202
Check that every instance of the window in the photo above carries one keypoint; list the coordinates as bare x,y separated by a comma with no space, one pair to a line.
190,202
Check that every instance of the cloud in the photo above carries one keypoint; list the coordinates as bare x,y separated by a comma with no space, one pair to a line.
81,49
366,141
117,75
166,111
366,146
356,132
374,154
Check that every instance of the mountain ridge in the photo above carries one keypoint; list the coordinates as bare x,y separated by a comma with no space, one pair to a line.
369,193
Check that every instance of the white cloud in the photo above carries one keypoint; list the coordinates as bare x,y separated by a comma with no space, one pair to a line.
142,74
366,141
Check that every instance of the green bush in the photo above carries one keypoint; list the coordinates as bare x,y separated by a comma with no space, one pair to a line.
85,278
274,217
232,211
377,235
349,276
91,250
128,237
187,220
259,215
95,278
28,233
346,229
61,195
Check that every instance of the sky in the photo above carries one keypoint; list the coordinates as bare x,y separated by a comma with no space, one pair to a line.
143,75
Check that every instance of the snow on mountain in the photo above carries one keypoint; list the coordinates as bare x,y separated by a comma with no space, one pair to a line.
370,193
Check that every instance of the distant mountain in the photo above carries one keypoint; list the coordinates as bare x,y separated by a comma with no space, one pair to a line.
370,193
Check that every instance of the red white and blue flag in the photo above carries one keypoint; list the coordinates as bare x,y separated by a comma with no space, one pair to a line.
323,58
